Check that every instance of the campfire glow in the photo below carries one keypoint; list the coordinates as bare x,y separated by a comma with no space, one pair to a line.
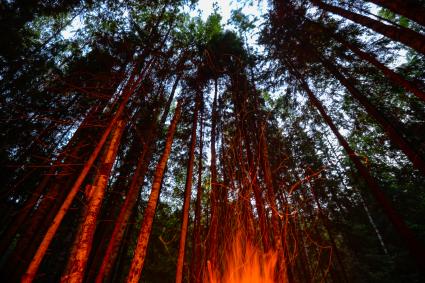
245,263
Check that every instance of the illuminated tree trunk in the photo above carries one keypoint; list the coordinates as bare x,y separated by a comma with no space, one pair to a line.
48,237
213,194
409,8
259,203
39,195
196,262
270,191
126,210
414,246
187,194
125,213
83,242
406,36
149,213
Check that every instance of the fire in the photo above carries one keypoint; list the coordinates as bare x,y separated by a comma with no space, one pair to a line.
245,263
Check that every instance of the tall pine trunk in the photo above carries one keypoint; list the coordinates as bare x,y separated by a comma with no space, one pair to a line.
390,74
212,242
51,232
38,195
406,36
371,59
187,194
127,208
411,9
149,213
196,261
414,246
392,132
284,274
83,242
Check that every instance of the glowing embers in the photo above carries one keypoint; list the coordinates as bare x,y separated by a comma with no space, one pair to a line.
244,263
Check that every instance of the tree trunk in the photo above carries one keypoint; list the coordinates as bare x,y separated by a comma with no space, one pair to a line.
196,262
271,196
41,251
24,213
390,74
408,8
406,36
83,242
214,193
414,246
145,230
126,210
328,231
389,128
187,194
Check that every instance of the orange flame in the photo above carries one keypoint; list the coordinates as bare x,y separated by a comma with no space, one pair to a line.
245,263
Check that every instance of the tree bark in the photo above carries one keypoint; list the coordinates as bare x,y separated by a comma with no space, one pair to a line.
408,8
187,194
58,166
371,59
406,36
271,196
126,210
414,246
214,193
48,237
83,242
389,128
145,230
196,262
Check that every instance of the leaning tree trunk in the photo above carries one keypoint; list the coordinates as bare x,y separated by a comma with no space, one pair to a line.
414,246
390,74
126,210
41,193
390,129
406,36
371,59
149,213
51,232
408,8
187,194
83,242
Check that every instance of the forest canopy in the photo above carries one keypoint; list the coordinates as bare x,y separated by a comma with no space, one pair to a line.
142,141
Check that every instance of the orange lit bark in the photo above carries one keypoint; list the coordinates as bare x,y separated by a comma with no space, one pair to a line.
149,213
48,237
196,261
126,210
284,273
24,214
187,194
83,242
212,242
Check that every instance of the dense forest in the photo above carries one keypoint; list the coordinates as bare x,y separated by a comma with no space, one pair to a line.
143,142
